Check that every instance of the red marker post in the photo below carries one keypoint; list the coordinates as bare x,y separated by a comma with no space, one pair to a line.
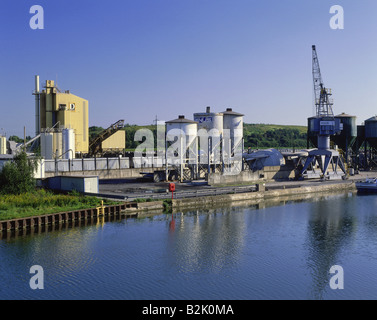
172,189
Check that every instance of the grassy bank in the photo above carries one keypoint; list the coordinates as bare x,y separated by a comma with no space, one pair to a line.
42,202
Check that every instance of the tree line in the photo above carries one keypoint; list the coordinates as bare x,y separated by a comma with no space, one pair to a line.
259,136
256,136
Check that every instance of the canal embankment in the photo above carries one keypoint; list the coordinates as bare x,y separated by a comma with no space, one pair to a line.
189,198
267,193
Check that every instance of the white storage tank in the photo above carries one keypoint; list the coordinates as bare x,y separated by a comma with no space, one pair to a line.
182,126
57,144
68,149
209,120
233,127
184,129
3,145
210,125
47,145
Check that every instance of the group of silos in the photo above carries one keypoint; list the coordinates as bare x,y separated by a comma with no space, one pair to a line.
58,144
351,139
211,138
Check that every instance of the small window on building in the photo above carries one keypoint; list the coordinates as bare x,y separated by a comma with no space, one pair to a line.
62,107
73,106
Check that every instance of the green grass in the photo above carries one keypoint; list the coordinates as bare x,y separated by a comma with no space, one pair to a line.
42,202
167,203
138,200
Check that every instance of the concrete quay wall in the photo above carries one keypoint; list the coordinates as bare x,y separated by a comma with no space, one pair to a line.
261,195
248,176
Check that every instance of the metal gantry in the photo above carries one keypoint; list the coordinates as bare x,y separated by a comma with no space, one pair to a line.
325,125
322,100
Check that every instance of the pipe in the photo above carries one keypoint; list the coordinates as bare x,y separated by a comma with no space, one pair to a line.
36,93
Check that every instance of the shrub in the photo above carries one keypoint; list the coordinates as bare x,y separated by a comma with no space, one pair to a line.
17,176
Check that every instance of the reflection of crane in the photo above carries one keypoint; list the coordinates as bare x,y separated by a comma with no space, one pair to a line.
322,101
95,144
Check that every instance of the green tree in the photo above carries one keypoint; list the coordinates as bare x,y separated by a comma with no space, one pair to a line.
17,176
16,139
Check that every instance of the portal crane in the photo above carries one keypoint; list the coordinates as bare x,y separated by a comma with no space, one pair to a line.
324,125
322,100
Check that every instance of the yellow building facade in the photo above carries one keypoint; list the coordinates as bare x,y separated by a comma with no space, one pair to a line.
116,142
63,110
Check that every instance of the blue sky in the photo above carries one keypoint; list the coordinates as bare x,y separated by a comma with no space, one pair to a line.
141,59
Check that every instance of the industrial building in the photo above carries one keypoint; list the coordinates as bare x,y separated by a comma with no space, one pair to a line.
110,141
62,123
116,143
57,111
366,144
211,143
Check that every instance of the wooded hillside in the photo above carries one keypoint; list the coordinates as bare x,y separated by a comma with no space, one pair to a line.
255,135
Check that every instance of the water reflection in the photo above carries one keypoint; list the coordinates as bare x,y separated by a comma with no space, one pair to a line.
331,225
282,248
207,240
172,223
57,227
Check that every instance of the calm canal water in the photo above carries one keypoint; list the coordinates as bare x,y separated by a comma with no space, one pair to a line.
278,251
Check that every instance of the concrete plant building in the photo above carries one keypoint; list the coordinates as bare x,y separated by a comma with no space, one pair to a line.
62,110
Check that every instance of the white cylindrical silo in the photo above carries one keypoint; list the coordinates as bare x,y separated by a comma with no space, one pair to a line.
57,144
181,134
47,145
210,126
233,127
68,144
3,145
209,120
182,126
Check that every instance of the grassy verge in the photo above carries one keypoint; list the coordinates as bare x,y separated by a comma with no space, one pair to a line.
42,202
